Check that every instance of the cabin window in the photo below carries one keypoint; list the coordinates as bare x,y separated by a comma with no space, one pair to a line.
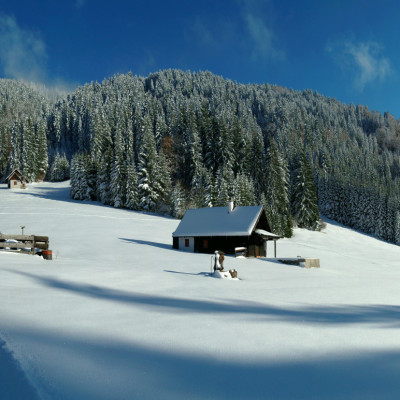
205,243
186,242
15,182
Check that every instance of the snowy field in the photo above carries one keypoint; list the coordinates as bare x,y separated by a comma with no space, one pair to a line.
119,314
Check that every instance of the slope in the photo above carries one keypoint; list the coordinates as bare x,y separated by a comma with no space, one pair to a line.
119,314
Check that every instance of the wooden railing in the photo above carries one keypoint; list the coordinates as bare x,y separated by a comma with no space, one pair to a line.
32,243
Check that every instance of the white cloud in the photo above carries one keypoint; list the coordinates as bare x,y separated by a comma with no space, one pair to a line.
262,38
22,53
364,60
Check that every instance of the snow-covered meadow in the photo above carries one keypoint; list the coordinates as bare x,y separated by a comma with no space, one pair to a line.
119,314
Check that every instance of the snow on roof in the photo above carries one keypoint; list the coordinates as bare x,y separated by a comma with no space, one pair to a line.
218,221
263,232
16,172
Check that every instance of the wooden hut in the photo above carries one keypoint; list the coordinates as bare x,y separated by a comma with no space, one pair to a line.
205,230
16,180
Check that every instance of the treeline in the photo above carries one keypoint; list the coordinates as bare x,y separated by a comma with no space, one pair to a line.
176,140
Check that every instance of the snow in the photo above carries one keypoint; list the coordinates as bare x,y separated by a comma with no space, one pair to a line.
217,221
266,233
119,314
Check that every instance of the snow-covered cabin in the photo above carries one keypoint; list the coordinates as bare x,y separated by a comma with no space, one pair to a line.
205,230
16,180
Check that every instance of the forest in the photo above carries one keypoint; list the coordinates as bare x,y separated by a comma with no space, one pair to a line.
176,140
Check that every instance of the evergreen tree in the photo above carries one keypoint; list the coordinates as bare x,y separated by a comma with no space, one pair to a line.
42,162
79,178
59,169
178,208
277,204
149,188
243,191
132,200
304,195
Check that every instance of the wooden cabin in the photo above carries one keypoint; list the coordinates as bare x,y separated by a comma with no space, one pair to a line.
205,230
16,180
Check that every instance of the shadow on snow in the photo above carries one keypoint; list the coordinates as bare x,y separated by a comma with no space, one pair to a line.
13,383
343,314
121,370
148,243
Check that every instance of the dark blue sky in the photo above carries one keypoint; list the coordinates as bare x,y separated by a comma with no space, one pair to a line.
348,50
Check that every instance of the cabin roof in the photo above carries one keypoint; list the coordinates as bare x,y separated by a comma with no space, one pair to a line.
219,221
18,174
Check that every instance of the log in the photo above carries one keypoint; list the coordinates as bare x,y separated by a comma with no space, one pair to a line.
41,238
17,237
16,245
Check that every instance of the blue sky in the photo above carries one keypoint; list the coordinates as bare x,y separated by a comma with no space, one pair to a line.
348,50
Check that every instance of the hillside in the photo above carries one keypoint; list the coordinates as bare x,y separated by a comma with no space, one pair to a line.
177,140
119,314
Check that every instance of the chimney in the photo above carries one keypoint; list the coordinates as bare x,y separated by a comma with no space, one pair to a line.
230,205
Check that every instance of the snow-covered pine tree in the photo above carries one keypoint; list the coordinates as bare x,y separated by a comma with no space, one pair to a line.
163,177
201,189
79,178
304,195
59,170
42,162
118,171
243,191
132,201
148,184
29,149
104,193
178,201
277,204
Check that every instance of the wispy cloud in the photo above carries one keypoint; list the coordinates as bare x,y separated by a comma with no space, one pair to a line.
22,53
203,33
23,56
262,38
80,3
251,31
364,60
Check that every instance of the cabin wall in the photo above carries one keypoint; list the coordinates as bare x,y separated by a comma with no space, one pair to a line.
15,184
254,244
186,244
226,244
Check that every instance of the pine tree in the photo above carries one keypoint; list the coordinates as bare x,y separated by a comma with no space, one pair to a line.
59,169
104,193
277,204
132,201
29,150
42,162
304,195
147,171
79,178
243,191
178,197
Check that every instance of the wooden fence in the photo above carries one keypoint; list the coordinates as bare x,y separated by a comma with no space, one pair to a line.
32,243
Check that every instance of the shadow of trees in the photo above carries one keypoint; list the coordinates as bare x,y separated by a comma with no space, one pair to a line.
148,243
121,370
389,315
13,383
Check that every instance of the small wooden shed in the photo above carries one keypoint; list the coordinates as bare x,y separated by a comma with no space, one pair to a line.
16,180
205,230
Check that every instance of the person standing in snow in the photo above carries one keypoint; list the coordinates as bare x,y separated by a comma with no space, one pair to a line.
218,261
